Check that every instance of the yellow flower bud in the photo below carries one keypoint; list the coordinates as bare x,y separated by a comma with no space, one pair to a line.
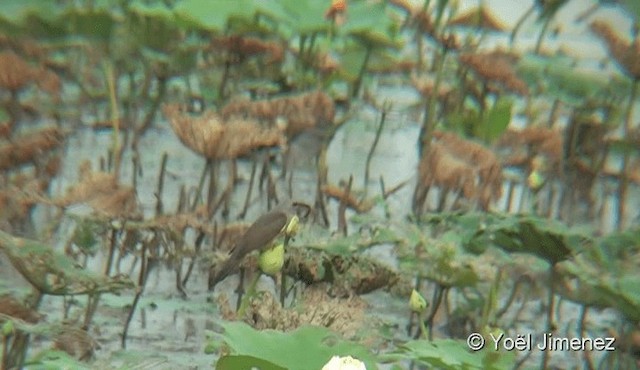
271,260
292,226
417,303
535,180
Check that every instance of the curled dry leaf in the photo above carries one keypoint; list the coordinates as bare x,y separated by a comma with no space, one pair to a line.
103,193
300,113
626,53
212,137
27,148
496,67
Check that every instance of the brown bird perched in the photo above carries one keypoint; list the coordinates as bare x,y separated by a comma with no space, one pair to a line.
282,220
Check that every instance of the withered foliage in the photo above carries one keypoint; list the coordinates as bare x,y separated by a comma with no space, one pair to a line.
453,163
244,47
102,192
29,147
341,315
18,199
351,201
479,17
347,275
496,67
16,73
531,141
76,342
214,137
300,113
626,53
12,307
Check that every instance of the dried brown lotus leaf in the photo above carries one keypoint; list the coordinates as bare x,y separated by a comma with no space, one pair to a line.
76,342
212,138
300,113
479,17
12,307
540,141
457,164
15,72
103,193
29,147
497,67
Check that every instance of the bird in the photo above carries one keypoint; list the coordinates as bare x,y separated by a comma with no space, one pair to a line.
280,221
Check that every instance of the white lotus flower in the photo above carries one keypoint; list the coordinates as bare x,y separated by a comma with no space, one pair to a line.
344,363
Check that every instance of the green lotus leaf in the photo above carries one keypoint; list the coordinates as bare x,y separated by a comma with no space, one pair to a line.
306,348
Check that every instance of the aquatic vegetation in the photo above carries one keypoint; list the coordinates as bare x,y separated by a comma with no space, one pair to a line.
116,119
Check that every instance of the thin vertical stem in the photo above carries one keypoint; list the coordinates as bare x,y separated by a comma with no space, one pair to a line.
383,118
624,178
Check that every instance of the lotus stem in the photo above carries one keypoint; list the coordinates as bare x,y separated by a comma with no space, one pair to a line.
251,292
383,118
428,121
543,32
519,24
160,189
151,113
363,68
342,208
115,116
550,309
142,280
252,177
624,178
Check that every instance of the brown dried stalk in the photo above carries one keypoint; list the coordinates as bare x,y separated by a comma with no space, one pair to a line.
214,138
496,67
626,53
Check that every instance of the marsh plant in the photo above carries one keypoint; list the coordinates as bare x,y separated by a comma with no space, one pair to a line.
146,140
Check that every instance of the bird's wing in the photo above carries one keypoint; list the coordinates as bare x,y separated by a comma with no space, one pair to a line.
260,233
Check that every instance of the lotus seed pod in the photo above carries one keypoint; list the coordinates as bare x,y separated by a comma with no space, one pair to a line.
344,363
271,260
417,303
